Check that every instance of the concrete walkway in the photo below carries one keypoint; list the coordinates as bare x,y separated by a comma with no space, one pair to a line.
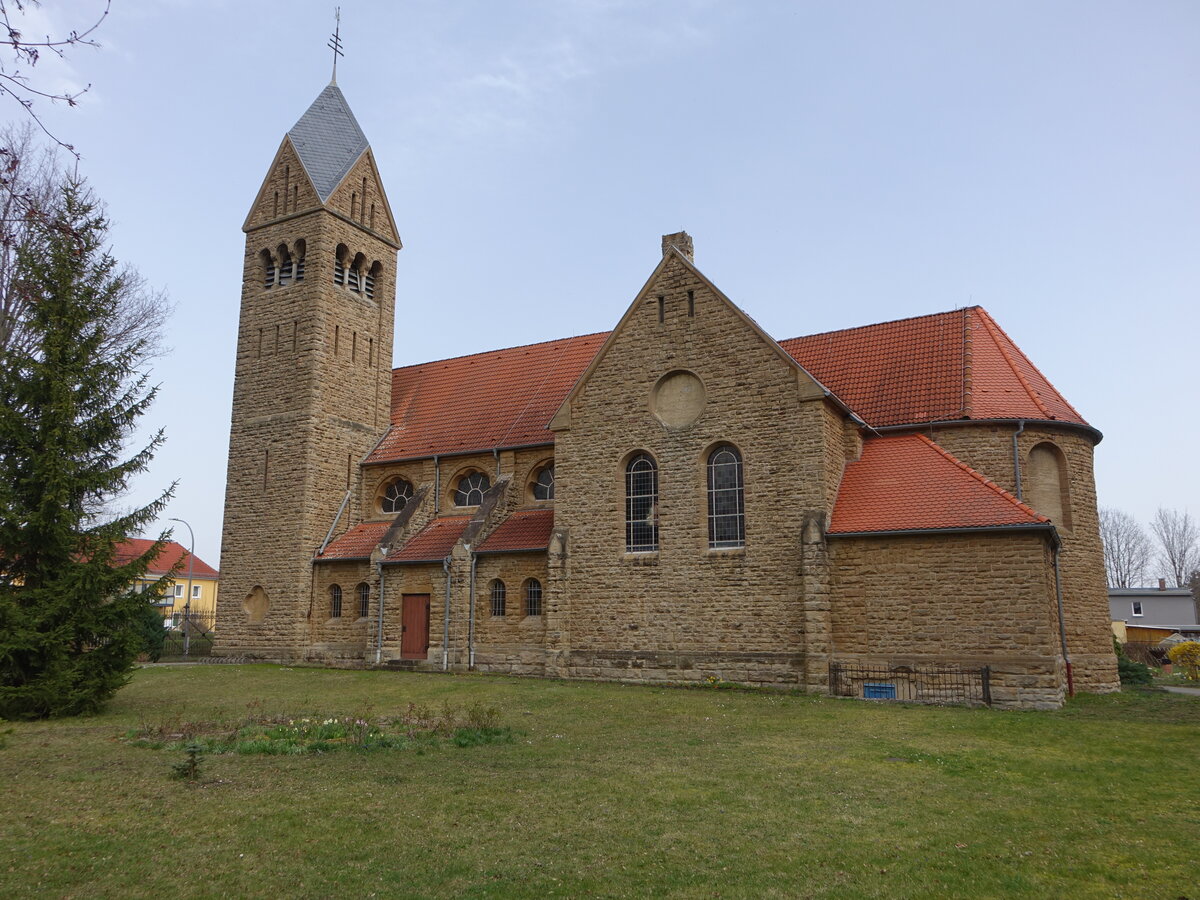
1194,691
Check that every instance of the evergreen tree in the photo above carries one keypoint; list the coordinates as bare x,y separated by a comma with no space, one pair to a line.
69,401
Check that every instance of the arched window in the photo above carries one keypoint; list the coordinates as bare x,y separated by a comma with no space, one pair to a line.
396,497
533,597
355,276
543,487
497,597
369,279
364,599
298,261
335,601
726,499
641,504
339,264
470,489
285,265
268,264
1047,487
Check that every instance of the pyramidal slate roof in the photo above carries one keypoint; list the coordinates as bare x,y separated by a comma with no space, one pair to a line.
328,140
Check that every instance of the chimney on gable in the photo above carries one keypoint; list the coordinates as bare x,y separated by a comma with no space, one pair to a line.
681,241
1162,584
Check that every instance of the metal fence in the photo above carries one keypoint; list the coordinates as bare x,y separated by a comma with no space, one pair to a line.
914,684
190,635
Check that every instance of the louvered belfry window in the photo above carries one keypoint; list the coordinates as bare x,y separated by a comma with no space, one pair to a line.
641,504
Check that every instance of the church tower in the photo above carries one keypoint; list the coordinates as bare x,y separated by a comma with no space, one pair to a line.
312,384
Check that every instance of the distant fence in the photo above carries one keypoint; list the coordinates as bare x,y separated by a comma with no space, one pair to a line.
190,636
915,684
1146,652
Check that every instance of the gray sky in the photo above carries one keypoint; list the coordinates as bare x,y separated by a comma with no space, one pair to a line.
837,164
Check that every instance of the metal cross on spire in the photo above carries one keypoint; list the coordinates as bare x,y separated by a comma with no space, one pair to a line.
335,42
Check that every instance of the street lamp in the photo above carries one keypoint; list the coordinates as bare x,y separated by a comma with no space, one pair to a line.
187,603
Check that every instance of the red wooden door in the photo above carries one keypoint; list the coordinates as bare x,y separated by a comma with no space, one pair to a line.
414,623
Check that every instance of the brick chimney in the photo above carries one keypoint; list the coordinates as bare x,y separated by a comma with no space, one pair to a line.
1162,584
681,241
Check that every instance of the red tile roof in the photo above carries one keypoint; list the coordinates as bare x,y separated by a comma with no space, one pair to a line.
433,542
171,553
357,543
503,398
907,482
941,367
936,368
523,530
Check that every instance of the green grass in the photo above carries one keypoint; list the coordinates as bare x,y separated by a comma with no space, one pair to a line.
605,790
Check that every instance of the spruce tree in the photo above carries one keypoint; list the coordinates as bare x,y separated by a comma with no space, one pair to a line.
69,402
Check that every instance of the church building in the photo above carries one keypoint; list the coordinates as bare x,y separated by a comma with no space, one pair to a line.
905,509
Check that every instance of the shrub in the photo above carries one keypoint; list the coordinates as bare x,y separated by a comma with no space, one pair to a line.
1187,657
1132,672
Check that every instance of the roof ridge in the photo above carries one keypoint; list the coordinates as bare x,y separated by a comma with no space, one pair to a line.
982,478
430,362
934,315
1037,401
996,326
968,362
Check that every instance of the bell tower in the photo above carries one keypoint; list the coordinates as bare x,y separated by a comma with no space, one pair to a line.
312,383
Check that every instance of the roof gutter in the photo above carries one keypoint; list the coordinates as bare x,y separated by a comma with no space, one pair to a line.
1094,433
979,529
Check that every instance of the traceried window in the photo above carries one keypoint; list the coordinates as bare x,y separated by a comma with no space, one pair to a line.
396,497
726,499
641,504
364,599
533,597
470,489
543,488
335,601
497,597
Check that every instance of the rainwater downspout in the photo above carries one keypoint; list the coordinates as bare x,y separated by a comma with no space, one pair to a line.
1062,629
446,618
437,484
496,456
1017,457
471,614
379,626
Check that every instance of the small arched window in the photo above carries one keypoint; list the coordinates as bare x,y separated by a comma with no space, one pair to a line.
396,497
470,489
497,597
339,264
641,504
298,261
364,599
543,487
355,276
285,265
726,499
268,268
369,279
335,601
533,597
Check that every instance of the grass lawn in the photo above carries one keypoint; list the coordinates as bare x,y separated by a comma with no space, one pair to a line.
606,790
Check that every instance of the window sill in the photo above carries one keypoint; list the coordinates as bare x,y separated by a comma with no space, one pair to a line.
719,552
640,558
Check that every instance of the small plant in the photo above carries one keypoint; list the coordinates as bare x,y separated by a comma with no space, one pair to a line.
1187,657
1131,672
188,769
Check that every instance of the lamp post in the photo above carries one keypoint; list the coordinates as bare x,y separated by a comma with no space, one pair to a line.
187,603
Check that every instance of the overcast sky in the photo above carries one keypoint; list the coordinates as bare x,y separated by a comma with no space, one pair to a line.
836,163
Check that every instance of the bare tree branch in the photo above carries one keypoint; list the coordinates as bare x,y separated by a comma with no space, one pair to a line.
17,83
1127,549
1178,544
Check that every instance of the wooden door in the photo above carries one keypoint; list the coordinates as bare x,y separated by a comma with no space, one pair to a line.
414,624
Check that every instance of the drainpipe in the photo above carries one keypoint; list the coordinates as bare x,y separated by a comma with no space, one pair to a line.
496,456
1017,456
446,618
1062,629
437,485
471,614
379,626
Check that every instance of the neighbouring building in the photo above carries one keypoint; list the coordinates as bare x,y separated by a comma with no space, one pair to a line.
174,557
1160,607
680,499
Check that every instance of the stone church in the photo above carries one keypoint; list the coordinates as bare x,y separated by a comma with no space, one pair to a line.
905,509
